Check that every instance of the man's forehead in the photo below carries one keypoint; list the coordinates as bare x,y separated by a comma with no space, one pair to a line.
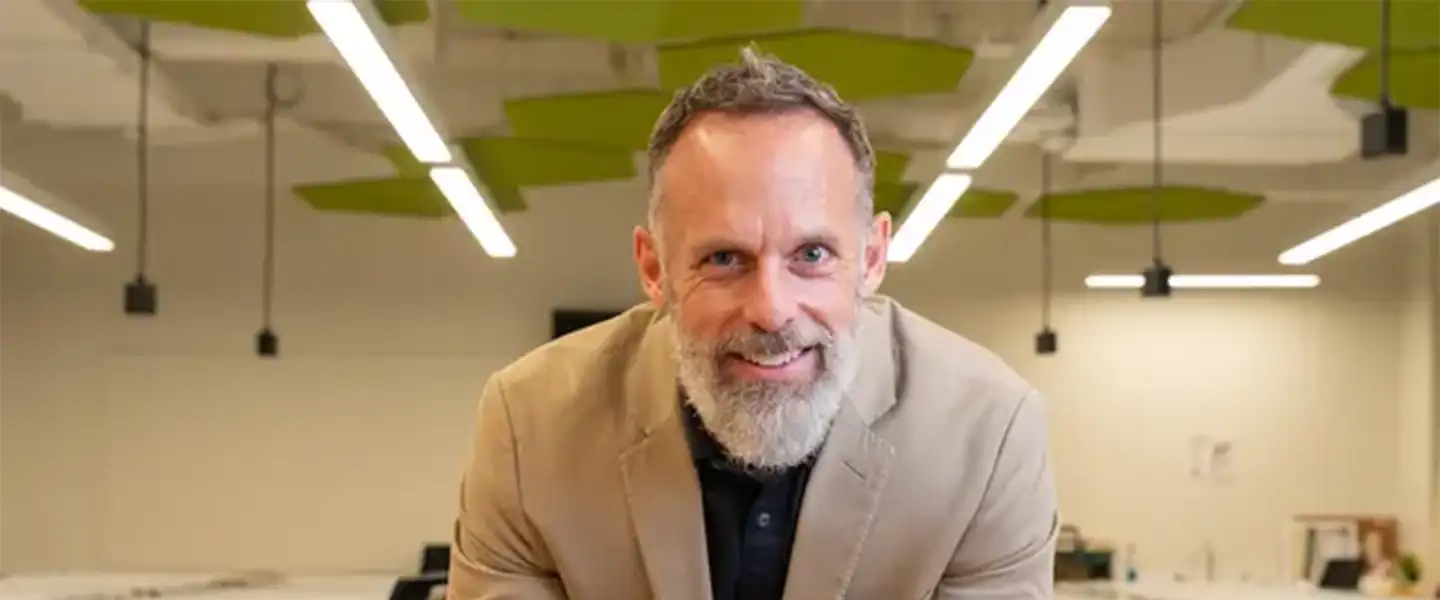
714,135
724,154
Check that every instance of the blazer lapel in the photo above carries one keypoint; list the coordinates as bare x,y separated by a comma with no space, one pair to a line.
664,497
846,487
840,503
661,486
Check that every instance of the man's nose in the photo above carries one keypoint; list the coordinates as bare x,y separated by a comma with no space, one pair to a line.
769,303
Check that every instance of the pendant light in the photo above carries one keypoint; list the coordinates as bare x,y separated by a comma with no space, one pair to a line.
1047,342
141,295
1157,276
267,342
1385,132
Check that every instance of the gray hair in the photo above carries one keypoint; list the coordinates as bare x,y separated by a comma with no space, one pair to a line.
759,84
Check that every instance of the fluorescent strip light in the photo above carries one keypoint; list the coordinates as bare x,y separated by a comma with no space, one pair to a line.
1062,43
343,23
474,211
1211,282
38,215
1378,218
932,207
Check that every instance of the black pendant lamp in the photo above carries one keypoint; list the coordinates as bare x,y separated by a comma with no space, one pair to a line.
1047,341
267,343
141,296
1385,132
1157,275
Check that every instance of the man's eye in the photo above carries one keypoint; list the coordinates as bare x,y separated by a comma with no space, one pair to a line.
814,254
723,258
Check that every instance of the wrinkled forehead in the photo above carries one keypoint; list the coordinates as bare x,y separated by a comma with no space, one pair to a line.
759,176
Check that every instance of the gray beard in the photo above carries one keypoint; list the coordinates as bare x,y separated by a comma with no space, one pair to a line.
765,425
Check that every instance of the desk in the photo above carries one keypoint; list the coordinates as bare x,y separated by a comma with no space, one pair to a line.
72,586
1159,590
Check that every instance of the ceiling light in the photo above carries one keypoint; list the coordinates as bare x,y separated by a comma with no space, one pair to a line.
350,32
1210,282
927,214
1380,217
1069,31
477,213
38,215
1075,27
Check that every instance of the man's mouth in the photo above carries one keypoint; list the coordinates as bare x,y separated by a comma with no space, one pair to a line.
792,365
773,360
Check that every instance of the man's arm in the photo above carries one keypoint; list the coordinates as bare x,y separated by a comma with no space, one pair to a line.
495,552
1008,553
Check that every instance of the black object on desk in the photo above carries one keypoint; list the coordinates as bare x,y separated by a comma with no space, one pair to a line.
1342,574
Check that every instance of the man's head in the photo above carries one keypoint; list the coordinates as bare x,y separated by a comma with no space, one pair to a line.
761,243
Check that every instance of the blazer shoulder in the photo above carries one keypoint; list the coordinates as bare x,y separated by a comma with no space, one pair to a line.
940,360
575,367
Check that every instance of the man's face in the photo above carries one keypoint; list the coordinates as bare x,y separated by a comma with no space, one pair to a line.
763,257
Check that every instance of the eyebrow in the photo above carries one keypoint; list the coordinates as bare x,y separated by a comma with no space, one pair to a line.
724,244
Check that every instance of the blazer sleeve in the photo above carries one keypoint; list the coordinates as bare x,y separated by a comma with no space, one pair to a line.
1008,553
496,553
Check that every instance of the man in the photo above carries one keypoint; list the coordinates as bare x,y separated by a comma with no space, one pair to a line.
767,425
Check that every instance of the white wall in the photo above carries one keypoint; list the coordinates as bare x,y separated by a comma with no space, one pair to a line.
165,444
1419,433
2,427
1417,391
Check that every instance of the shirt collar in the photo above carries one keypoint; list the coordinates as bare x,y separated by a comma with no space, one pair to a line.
703,447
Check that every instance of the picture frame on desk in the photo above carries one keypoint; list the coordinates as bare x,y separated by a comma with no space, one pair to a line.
1311,542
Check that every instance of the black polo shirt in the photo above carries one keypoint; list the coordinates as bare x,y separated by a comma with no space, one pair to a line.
750,519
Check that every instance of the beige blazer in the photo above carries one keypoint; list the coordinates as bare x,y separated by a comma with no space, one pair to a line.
934,481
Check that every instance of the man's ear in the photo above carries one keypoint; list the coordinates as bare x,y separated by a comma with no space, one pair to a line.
877,249
647,262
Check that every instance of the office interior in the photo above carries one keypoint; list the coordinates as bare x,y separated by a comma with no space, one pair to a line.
256,264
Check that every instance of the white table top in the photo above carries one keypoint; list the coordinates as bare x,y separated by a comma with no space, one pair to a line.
76,585
1163,590
377,587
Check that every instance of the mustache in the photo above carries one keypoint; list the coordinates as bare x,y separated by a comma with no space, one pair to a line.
794,336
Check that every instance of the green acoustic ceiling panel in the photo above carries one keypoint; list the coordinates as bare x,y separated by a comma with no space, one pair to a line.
1414,81
892,197
977,203
1415,24
1136,205
523,162
981,203
890,166
503,166
637,21
619,119
861,66
400,196
405,163
506,197
891,193
273,18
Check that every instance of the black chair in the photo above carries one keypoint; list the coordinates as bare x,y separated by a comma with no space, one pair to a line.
435,558
434,572
418,587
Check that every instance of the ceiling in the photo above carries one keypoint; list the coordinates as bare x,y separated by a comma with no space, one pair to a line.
1260,98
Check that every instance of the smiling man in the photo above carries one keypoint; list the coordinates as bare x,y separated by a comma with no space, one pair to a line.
767,426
